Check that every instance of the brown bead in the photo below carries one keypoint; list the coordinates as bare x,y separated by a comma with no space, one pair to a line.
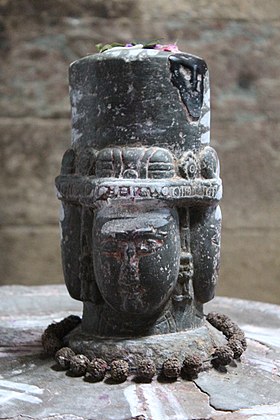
52,338
62,328
224,324
229,328
51,344
171,368
236,347
63,356
240,337
217,320
146,369
119,370
222,356
97,368
192,365
78,365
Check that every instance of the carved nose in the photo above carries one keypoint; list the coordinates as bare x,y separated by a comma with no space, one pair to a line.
129,273
132,270
130,251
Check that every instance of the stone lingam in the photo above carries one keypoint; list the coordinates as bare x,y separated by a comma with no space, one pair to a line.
140,219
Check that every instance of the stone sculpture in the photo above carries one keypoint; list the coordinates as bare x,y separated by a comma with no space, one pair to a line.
140,189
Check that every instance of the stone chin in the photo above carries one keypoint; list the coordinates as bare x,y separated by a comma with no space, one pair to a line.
136,258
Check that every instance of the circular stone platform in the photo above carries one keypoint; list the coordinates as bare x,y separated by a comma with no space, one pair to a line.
157,347
32,388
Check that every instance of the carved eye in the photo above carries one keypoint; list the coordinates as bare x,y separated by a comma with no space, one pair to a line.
148,246
109,248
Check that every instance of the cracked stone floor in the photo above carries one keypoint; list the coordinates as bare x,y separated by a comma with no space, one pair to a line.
31,387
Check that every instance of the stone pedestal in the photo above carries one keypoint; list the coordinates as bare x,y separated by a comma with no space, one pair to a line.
159,348
32,388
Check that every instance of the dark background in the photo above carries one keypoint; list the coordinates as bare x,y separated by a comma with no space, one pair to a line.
240,40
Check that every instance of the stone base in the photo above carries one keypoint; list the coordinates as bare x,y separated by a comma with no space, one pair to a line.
156,347
32,388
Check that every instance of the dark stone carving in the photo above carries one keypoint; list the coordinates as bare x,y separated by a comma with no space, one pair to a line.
140,189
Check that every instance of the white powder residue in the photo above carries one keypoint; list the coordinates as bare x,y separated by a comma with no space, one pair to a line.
19,391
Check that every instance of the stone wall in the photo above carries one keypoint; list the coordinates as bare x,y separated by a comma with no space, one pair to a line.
240,40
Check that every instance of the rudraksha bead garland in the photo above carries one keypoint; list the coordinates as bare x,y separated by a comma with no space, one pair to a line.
119,369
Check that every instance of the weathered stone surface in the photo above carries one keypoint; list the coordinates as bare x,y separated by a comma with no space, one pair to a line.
58,8
28,85
30,388
35,70
250,158
30,254
222,9
250,264
158,348
251,388
30,157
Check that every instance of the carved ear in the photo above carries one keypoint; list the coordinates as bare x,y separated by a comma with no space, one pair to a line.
210,167
87,161
70,246
187,75
205,243
68,162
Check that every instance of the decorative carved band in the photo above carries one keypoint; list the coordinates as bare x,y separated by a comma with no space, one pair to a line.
89,190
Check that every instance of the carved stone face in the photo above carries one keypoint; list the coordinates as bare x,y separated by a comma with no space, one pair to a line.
136,258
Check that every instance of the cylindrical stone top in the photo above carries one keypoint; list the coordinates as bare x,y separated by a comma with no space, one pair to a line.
130,97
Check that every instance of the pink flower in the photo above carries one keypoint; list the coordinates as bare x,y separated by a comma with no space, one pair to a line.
168,47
